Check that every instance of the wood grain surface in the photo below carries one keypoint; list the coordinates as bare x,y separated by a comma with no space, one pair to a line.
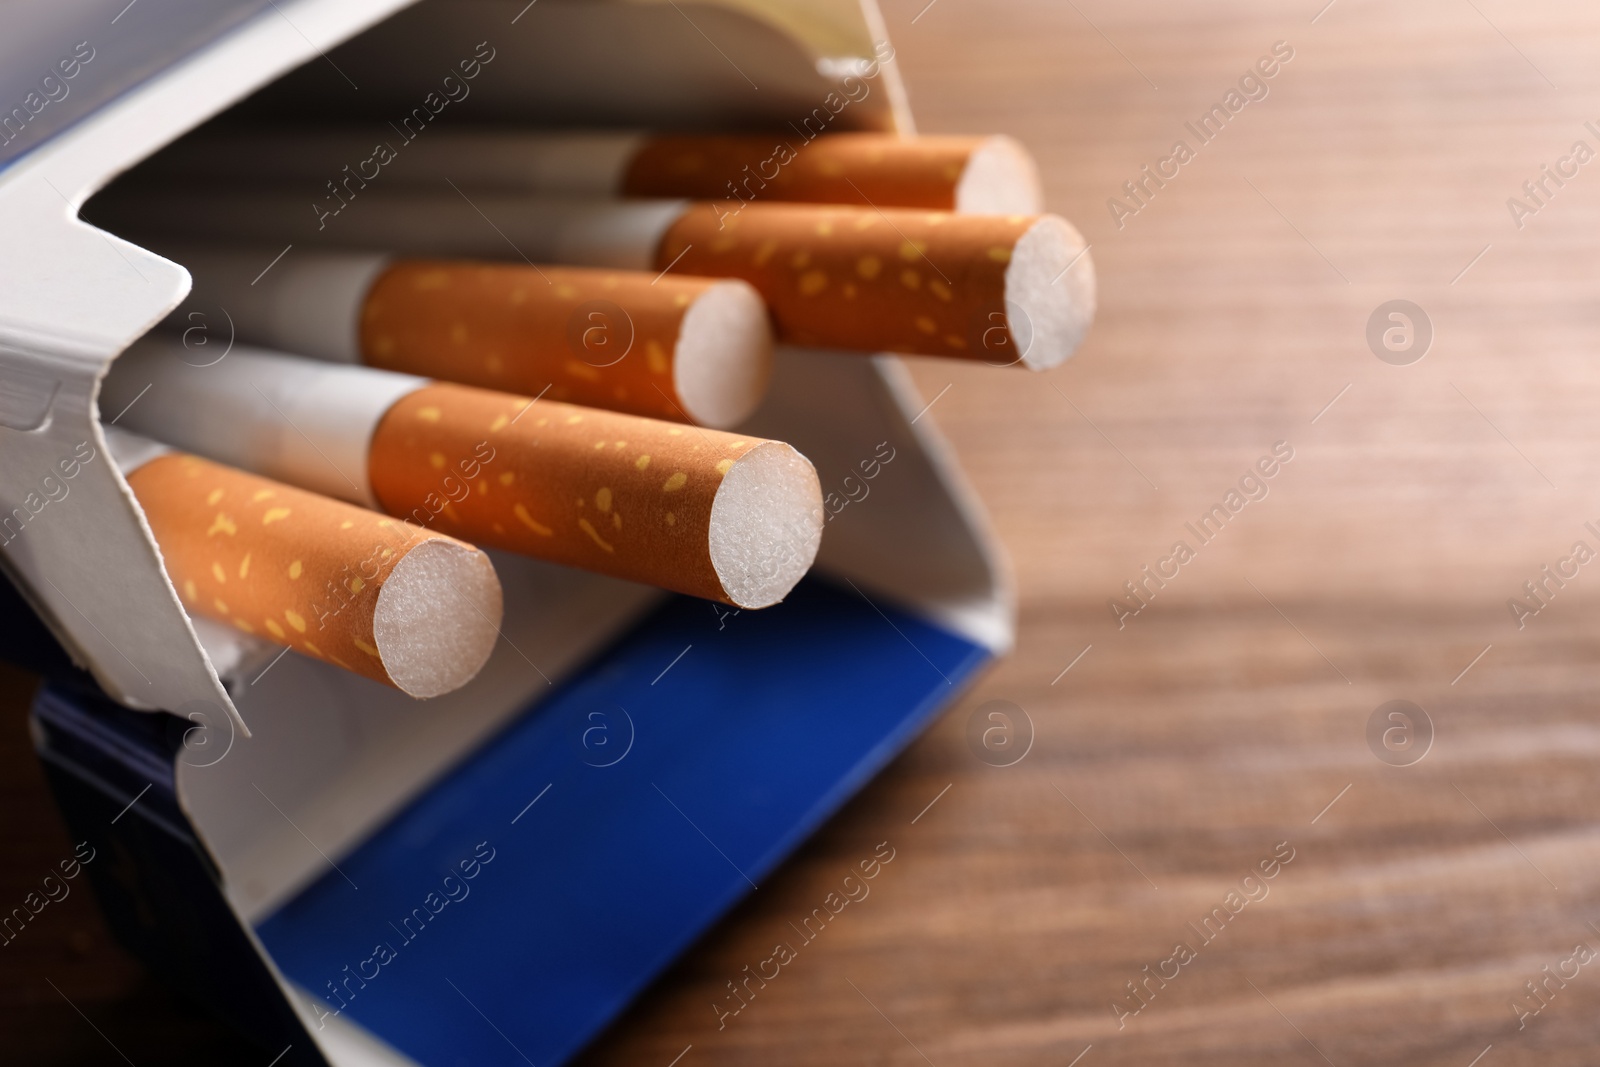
1229,719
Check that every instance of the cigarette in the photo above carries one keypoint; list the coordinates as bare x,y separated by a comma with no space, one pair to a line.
999,288
400,605
679,348
717,515
978,175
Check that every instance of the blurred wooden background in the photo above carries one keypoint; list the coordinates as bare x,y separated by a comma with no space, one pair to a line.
1228,716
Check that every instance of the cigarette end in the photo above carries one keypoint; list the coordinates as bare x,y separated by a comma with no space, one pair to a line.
766,524
1000,178
438,617
1049,292
723,361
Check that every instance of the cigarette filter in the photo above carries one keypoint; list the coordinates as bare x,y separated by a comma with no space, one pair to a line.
977,175
728,518
1000,288
404,606
670,347
704,512
980,175
679,348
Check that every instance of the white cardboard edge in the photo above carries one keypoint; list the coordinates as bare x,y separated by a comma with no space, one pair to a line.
899,100
908,528
75,297
993,623
129,451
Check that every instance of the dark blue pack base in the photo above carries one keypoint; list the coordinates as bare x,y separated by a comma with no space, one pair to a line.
516,906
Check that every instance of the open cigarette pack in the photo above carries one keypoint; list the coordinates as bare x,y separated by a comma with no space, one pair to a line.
351,875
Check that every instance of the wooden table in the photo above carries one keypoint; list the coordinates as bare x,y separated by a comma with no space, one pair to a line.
1232,713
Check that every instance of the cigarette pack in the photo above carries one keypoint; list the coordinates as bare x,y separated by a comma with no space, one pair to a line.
349,875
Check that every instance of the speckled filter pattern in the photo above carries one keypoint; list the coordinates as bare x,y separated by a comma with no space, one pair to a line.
597,337
271,560
922,282
608,492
